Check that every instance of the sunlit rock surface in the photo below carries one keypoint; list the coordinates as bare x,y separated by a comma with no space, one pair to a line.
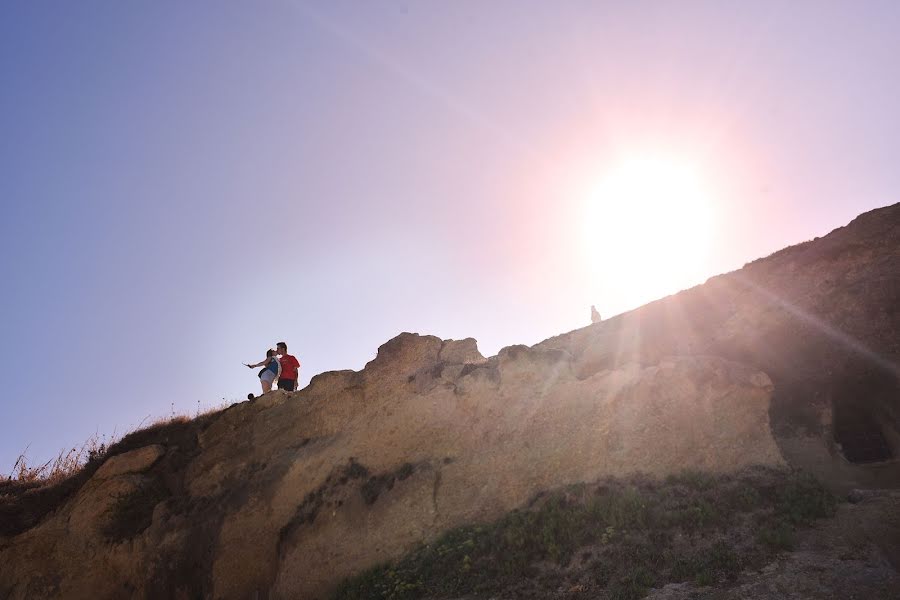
782,362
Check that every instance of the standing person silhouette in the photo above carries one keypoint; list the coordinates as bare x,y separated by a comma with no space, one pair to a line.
290,368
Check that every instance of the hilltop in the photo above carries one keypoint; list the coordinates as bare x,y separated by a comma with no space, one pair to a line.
760,399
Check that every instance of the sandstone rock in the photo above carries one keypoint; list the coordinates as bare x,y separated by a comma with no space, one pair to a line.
460,352
402,356
135,461
91,508
285,496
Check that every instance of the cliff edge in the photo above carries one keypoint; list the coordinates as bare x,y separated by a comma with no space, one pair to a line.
788,362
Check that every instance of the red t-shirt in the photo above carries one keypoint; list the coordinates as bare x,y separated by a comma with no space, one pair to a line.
289,366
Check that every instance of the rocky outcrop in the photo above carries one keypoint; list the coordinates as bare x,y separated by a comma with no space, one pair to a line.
822,319
284,496
136,461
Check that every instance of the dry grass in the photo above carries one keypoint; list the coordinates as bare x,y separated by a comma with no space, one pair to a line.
70,461
32,492
64,465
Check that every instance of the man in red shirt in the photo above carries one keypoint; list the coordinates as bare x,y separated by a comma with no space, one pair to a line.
290,368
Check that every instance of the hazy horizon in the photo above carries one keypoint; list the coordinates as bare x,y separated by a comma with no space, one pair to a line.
185,185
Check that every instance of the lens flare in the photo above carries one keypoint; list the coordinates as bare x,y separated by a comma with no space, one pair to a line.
648,227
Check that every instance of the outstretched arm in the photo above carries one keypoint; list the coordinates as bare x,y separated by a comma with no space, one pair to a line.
259,364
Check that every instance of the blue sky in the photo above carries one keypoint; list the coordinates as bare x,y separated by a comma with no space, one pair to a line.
184,184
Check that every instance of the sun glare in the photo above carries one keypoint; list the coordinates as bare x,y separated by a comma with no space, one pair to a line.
647,229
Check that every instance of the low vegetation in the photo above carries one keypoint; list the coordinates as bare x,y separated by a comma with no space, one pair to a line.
614,539
70,461
30,493
64,465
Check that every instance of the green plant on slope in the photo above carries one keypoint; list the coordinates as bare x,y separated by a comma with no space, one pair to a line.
620,536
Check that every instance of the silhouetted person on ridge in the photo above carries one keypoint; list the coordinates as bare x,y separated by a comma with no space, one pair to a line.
290,368
595,316
270,373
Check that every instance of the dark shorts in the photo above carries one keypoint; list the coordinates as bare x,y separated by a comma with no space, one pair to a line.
286,384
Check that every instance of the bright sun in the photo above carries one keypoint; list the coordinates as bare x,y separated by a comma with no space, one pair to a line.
648,229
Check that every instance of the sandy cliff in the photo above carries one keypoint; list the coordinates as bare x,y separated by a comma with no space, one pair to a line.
789,361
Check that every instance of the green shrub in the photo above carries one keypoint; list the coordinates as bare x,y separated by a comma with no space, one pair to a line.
803,499
776,535
630,536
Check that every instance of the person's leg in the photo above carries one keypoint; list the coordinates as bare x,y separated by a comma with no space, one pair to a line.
267,385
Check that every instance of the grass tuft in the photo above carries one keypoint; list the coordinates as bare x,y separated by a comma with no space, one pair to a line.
68,462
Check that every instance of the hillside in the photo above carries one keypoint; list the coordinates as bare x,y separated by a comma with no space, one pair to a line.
790,363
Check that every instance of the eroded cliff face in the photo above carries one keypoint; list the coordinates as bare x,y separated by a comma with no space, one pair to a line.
284,496
822,319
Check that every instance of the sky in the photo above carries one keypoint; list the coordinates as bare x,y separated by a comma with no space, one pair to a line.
182,185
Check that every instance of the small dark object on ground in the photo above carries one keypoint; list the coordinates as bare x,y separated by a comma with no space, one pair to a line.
250,396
